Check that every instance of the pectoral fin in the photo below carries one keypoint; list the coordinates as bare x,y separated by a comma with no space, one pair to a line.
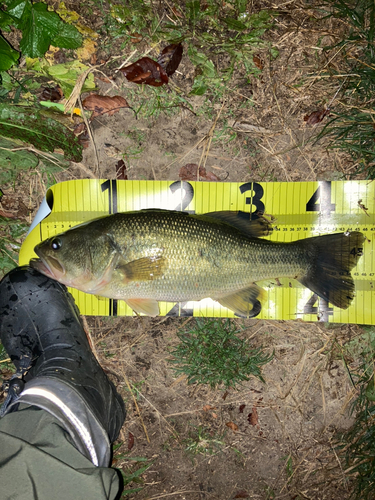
246,302
144,269
149,307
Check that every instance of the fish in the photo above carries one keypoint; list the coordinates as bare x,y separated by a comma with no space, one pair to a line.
153,255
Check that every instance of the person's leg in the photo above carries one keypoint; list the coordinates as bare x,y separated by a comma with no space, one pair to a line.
38,460
62,413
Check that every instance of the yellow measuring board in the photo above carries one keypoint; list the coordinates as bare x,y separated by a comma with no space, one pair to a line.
300,210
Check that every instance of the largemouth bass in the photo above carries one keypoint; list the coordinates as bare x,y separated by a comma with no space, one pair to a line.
158,255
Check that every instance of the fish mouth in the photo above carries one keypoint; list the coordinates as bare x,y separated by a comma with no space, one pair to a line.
50,267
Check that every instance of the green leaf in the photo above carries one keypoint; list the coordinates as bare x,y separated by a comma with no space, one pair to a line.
67,74
39,27
11,162
68,37
193,9
8,56
44,133
6,20
17,8
199,86
234,24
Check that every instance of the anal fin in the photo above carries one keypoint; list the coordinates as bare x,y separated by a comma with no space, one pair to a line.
149,307
246,302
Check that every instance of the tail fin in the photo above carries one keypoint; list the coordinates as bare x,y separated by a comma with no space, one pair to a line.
332,257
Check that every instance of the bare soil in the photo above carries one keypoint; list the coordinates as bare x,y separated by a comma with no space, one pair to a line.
282,447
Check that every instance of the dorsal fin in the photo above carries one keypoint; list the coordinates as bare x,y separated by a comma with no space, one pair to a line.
255,228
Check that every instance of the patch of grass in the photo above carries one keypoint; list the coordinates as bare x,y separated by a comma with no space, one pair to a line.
213,31
202,441
352,127
11,232
131,475
131,471
212,353
357,445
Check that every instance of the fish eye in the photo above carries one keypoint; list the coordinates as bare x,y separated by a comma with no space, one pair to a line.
56,244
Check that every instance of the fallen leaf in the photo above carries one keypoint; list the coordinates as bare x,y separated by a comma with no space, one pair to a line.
147,71
101,104
130,441
79,128
214,415
189,173
52,94
136,37
208,407
316,116
253,417
232,426
30,125
81,132
170,58
241,494
242,407
87,51
209,176
121,171
224,396
8,215
259,63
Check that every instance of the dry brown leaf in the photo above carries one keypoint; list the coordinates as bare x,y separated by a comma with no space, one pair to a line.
316,116
189,173
241,408
232,426
253,417
147,71
101,104
208,407
170,58
130,441
259,63
8,215
136,37
53,94
241,494
121,171
214,415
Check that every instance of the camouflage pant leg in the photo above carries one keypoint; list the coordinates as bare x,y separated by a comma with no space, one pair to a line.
38,461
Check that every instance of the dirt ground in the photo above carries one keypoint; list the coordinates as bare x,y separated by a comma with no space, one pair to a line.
282,448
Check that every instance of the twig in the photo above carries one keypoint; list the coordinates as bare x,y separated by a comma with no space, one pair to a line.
90,134
89,338
137,407
209,136
174,493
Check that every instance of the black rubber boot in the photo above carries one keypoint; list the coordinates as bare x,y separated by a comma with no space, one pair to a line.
42,333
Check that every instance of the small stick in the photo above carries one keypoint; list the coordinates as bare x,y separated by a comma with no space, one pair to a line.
136,405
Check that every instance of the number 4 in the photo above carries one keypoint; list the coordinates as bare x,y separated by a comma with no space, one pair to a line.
322,194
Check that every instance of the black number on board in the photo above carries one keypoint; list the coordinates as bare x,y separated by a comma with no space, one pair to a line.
322,310
323,195
356,251
255,200
187,194
111,186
